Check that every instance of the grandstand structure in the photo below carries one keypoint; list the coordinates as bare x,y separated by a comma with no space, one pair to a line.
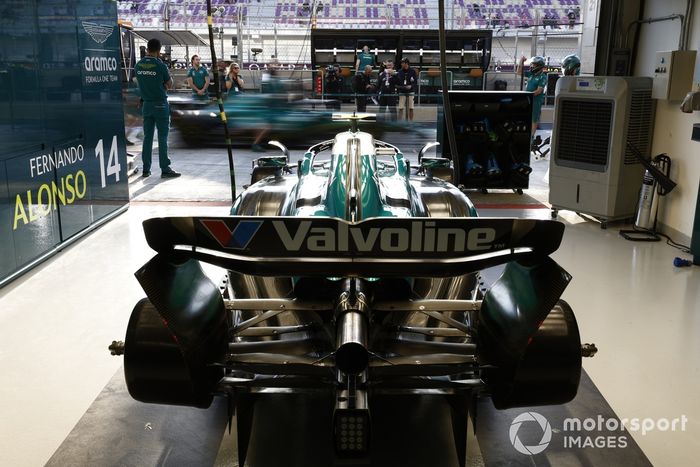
360,14
555,14
349,14
281,27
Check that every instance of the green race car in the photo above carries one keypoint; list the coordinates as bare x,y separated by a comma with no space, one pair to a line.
247,115
352,277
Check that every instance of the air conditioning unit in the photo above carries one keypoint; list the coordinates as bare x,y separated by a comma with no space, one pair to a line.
598,121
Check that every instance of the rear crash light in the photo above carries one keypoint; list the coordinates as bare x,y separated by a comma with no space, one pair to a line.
351,432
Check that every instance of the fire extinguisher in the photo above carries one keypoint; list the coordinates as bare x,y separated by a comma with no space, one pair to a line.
648,203
649,195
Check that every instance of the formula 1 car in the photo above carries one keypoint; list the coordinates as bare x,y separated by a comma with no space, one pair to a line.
354,278
292,121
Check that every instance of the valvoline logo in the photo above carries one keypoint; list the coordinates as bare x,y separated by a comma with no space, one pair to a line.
238,238
332,236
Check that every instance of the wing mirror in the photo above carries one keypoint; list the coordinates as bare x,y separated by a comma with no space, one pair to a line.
281,147
435,167
425,149
268,165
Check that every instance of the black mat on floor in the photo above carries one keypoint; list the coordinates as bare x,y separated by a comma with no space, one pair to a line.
288,431
566,448
119,431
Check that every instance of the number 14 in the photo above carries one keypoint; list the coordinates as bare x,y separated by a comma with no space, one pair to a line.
113,167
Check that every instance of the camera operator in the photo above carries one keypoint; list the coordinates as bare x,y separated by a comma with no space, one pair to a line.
333,84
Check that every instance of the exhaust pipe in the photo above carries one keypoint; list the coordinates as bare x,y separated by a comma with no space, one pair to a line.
351,356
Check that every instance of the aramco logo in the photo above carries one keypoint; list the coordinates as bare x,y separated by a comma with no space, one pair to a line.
526,418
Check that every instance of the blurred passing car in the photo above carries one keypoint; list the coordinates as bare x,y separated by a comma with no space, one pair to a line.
293,122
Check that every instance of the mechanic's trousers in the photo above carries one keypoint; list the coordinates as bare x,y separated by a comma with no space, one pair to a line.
387,102
155,115
361,100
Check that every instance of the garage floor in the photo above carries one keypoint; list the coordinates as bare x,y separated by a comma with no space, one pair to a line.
57,320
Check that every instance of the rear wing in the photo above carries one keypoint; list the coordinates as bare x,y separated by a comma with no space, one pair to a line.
377,247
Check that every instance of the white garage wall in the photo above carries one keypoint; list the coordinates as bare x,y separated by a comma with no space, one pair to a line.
673,128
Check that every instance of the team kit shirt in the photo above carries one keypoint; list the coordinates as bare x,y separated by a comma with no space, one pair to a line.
151,75
234,86
365,59
535,81
199,77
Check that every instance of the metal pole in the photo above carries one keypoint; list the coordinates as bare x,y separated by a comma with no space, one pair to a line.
239,31
535,34
222,112
187,47
250,40
580,37
580,44
166,16
447,110
544,45
419,73
166,24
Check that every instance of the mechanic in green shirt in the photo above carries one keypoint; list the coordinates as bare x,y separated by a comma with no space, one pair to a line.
198,79
364,58
154,80
536,84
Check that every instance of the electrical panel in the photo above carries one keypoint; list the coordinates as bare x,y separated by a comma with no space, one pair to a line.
621,62
673,74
